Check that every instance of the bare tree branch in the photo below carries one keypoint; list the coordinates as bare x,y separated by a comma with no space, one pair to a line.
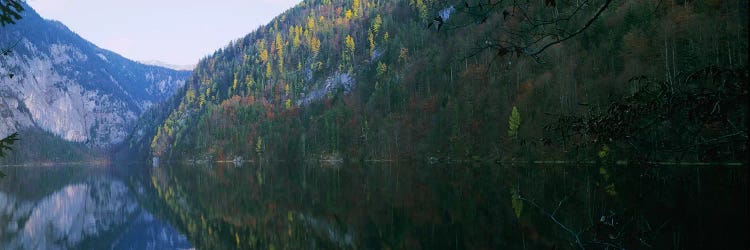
579,31
523,28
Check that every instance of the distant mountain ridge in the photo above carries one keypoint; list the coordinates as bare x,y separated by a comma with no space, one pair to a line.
57,81
168,65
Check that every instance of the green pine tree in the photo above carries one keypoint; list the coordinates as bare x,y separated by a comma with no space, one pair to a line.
514,122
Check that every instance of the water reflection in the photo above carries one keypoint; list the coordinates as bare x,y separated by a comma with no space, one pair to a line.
75,207
284,205
417,206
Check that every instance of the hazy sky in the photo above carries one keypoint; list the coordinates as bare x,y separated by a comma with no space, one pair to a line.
172,31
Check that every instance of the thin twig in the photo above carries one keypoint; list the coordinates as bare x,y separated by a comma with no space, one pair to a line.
591,21
576,236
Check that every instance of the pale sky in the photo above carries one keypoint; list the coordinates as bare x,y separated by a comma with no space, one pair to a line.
177,32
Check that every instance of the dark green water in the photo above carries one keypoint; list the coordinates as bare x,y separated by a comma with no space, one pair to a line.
283,205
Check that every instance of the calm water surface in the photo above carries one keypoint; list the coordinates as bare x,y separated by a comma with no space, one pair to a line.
284,205
78,207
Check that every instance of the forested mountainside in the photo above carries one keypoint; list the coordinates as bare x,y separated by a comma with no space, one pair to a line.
53,83
451,80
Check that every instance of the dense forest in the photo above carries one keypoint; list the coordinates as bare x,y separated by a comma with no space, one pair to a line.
423,124
648,81
26,150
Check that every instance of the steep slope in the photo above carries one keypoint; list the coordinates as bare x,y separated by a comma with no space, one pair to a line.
54,80
371,80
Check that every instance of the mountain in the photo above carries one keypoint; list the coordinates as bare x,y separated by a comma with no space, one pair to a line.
168,65
53,80
468,80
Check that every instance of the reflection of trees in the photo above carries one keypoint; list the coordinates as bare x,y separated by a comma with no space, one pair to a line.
397,207
299,207
634,208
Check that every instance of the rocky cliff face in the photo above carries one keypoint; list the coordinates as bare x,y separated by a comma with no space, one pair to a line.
55,80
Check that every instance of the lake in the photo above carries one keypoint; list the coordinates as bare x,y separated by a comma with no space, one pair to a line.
376,205
78,207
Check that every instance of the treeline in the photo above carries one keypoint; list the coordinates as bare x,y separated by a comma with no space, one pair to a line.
35,146
369,80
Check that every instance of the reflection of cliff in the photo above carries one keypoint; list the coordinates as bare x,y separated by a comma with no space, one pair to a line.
66,217
146,232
